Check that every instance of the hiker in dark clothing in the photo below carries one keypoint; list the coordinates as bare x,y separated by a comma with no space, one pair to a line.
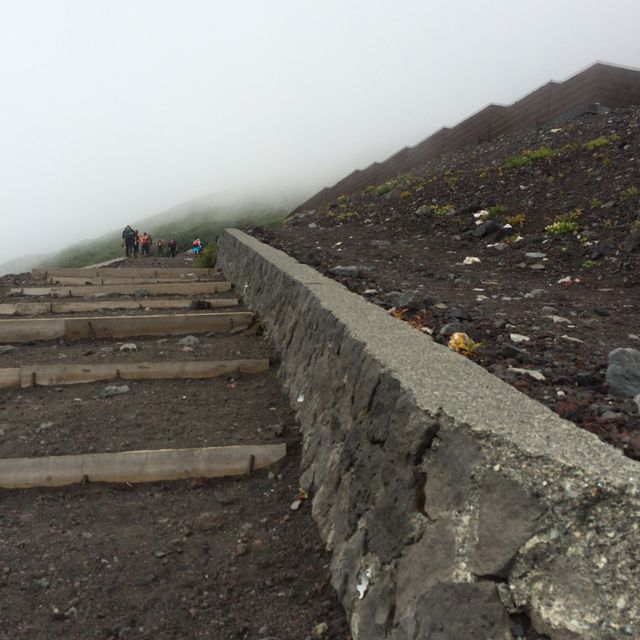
160,246
128,240
136,243
173,248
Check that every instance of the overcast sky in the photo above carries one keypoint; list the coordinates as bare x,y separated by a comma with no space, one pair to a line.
114,110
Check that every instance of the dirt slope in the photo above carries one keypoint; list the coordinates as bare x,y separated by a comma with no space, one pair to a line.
549,223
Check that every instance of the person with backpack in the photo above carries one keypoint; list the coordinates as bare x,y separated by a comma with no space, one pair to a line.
128,240
136,243
173,248
160,246
145,242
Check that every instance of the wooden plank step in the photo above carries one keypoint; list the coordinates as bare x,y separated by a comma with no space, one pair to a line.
35,329
70,282
189,288
124,272
86,306
56,374
138,466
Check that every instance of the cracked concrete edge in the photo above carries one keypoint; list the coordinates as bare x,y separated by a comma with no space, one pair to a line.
539,507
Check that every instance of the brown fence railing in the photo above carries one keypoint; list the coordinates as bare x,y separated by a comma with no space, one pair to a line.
603,84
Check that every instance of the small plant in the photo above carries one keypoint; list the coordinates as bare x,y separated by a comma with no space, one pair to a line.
384,188
600,141
369,189
596,203
207,259
462,343
565,223
630,194
442,210
342,201
561,227
450,180
515,162
517,220
589,264
541,153
405,194
494,212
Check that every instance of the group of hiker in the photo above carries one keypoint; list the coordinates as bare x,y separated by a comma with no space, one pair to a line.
136,243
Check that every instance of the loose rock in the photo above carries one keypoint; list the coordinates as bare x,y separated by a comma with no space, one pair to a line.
623,372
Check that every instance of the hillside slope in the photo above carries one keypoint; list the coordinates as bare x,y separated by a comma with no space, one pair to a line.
199,218
530,244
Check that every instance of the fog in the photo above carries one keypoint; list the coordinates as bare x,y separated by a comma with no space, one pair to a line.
114,110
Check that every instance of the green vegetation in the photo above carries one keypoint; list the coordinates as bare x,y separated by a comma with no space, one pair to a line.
528,156
517,220
596,203
205,223
589,264
495,211
442,210
600,141
565,223
515,162
630,194
384,188
207,259
405,194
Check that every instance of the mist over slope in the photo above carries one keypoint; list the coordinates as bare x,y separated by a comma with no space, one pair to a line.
202,218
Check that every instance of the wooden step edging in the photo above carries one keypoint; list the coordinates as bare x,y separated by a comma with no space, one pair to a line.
86,306
35,329
138,466
68,281
124,272
177,288
56,374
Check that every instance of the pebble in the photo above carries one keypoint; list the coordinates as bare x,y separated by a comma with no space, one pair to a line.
114,390
320,630
536,375
129,346
450,328
295,505
7,348
517,337
188,341
558,319
535,293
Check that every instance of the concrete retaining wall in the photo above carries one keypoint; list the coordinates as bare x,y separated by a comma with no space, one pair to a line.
454,506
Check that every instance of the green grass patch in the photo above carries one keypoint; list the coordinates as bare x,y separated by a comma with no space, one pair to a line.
600,141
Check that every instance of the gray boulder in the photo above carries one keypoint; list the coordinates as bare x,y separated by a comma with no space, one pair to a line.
623,372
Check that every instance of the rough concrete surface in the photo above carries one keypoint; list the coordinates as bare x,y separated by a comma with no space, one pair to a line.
454,506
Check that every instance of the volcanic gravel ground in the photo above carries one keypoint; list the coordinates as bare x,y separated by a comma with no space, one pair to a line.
222,559
574,296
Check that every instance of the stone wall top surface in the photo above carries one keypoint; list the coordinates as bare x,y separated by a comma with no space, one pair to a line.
443,380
